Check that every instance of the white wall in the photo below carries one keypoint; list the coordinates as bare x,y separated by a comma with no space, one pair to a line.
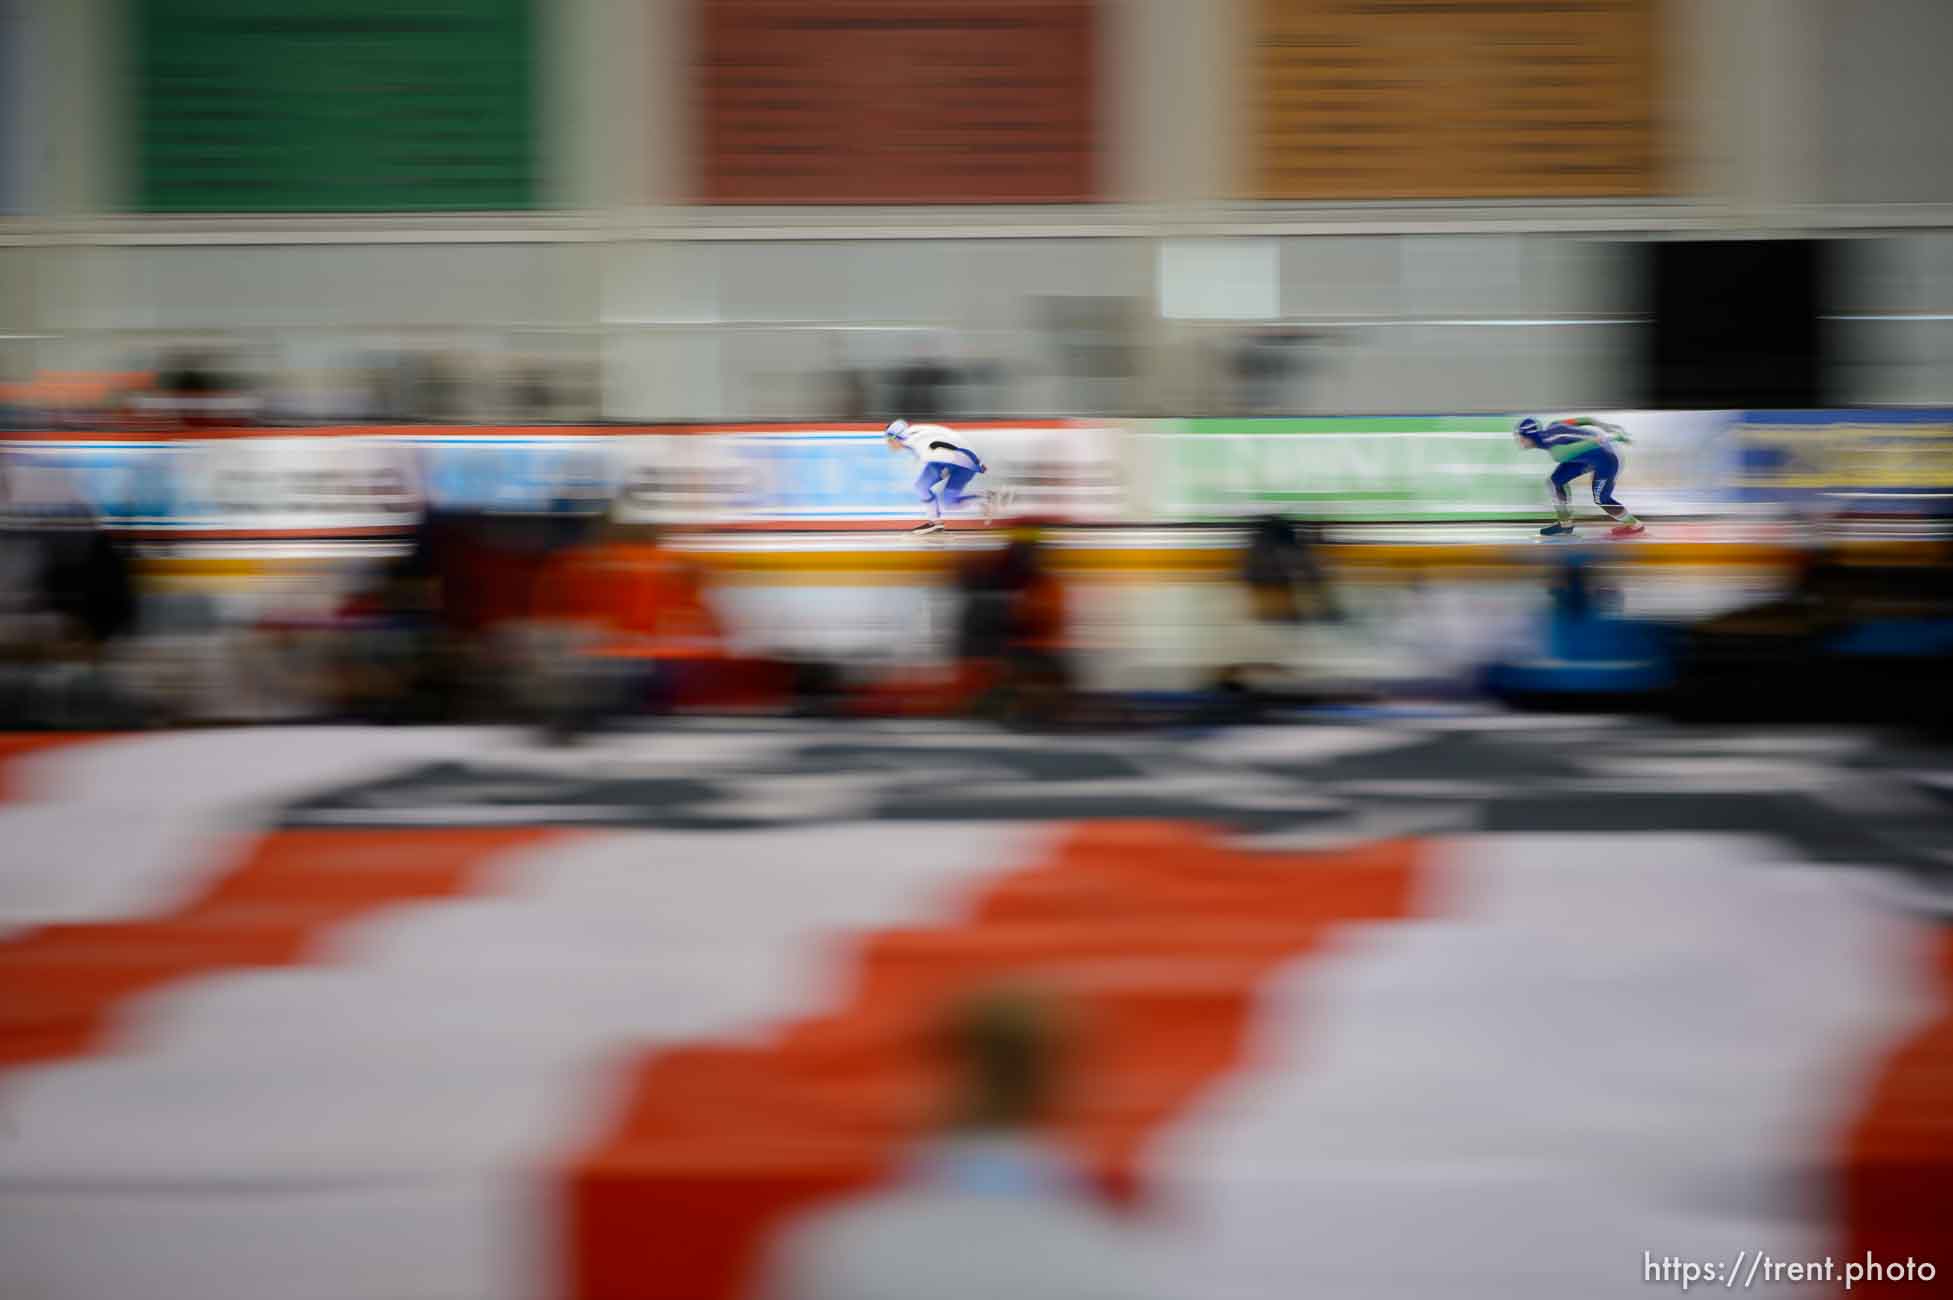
1885,103
710,314
1894,331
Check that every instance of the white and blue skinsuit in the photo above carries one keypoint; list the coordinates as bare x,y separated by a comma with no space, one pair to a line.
947,467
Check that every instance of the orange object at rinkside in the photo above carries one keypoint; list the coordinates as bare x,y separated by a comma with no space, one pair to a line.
644,601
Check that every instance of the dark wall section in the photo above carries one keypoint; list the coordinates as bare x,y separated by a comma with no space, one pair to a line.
1735,323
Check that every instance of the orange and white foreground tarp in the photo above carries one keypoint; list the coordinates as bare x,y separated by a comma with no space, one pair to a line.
527,1060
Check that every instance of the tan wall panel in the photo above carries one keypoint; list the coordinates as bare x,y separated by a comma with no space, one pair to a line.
1411,99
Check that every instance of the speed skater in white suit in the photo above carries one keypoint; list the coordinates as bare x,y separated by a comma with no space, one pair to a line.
947,470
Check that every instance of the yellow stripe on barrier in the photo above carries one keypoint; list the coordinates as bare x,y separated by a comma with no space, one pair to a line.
904,564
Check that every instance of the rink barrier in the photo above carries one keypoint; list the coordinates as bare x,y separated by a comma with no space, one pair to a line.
376,480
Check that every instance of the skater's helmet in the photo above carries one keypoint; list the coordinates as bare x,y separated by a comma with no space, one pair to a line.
1526,432
896,428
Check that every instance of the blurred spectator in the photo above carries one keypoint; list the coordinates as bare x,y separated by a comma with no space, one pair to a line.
852,398
477,577
1262,366
26,624
91,581
1583,653
1284,572
72,599
542,389
1287,587
434,388
1013,641
1851,640
638,619
986,1210
415,386
851,395
532,395
1093,345
922,389
1579,591
198,390
389,666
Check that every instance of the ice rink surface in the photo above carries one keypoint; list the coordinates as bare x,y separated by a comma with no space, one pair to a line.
1403,1000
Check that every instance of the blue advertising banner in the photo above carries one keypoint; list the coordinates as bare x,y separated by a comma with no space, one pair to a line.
545,475
122,483
822,476
1869,461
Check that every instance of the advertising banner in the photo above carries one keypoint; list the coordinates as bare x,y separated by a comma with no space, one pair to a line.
823,477
296,486
272,486
1871,462
358,481
1413,468
123,483
571,472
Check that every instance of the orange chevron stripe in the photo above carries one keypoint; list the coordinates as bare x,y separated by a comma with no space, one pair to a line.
1159,934
15,746
60,984
1897,1176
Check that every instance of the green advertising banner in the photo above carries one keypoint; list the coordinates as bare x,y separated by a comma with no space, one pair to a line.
334,105
1422,468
